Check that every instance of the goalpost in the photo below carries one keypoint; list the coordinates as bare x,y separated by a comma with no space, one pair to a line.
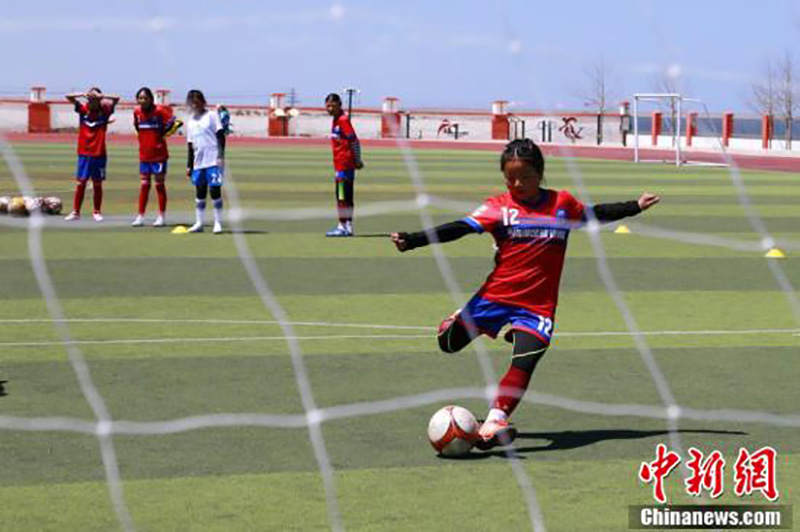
675,102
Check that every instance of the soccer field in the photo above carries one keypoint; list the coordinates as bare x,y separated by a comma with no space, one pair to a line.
172,327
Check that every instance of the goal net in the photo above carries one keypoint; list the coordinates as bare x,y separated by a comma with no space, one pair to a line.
667,130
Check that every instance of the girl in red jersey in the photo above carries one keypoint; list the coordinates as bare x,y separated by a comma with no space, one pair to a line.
95,115
530,225
153,123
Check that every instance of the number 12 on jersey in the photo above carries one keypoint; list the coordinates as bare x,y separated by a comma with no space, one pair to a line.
510,216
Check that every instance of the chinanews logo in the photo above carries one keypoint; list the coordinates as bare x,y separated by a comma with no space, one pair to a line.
753,475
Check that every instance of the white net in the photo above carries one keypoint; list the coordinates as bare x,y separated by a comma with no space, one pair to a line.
104,427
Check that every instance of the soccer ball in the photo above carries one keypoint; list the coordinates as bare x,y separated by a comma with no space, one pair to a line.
52,205
452,431
17,207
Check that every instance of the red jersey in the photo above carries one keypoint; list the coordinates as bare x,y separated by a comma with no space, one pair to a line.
92,130
151,128
346,148
531,242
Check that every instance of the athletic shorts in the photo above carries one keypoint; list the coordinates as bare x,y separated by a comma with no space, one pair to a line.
153,168
89,167
489,317
211,176
345,175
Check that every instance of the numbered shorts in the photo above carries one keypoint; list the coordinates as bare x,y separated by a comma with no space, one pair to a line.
149,169
211,176
89,167
489,317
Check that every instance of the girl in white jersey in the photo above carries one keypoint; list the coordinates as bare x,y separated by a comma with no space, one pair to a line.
206,139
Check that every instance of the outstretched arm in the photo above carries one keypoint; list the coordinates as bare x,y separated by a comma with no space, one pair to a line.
611,212
443,233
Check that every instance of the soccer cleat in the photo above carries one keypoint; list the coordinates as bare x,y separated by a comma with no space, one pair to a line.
217,228
159,221
196,228
339,232
97,217
448,322
495,433
71,217
138,221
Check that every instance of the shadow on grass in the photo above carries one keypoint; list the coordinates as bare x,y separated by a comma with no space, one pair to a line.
574,439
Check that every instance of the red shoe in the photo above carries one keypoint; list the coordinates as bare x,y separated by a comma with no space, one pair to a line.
495,433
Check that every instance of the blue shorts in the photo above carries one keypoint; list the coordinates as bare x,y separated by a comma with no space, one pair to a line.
489,317
89,167
211,176
346,175
153,168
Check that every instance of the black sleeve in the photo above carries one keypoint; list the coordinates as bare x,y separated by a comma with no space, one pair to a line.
444,233
190,159
611,212
221,143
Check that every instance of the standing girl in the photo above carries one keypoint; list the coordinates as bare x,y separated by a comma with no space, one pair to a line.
153,123
206,140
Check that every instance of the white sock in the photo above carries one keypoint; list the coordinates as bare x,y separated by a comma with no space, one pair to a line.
495,414
218,211
200,210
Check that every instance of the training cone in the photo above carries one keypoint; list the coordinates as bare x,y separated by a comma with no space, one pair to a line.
622,230
775,253
180,230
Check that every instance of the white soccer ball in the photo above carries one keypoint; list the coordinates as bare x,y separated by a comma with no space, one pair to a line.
453,431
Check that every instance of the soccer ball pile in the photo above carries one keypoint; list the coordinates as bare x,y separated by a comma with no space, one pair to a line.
25,205
453,431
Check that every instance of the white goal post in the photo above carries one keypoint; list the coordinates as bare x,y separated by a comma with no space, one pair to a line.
674,100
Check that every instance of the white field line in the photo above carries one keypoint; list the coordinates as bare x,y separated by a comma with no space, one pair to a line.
567,334
218,340
222,322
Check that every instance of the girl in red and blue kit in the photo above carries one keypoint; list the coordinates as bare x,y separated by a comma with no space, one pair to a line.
530,225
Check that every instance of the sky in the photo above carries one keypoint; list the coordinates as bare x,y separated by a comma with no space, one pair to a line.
451,54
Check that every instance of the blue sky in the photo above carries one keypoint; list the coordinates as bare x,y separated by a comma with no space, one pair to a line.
433,54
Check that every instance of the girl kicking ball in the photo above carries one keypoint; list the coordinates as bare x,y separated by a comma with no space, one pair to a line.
206,139
530,225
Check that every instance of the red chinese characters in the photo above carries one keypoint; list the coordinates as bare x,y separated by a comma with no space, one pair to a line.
753,472
705,473
756,472
658,470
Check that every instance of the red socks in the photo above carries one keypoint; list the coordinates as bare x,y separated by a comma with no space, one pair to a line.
97,188
512,387
144,194
161,190
80,191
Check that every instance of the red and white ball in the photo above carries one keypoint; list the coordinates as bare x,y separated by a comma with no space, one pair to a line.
453,431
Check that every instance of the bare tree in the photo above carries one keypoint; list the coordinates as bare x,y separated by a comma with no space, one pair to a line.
763,91
787,97
668,83
775,95
597,95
